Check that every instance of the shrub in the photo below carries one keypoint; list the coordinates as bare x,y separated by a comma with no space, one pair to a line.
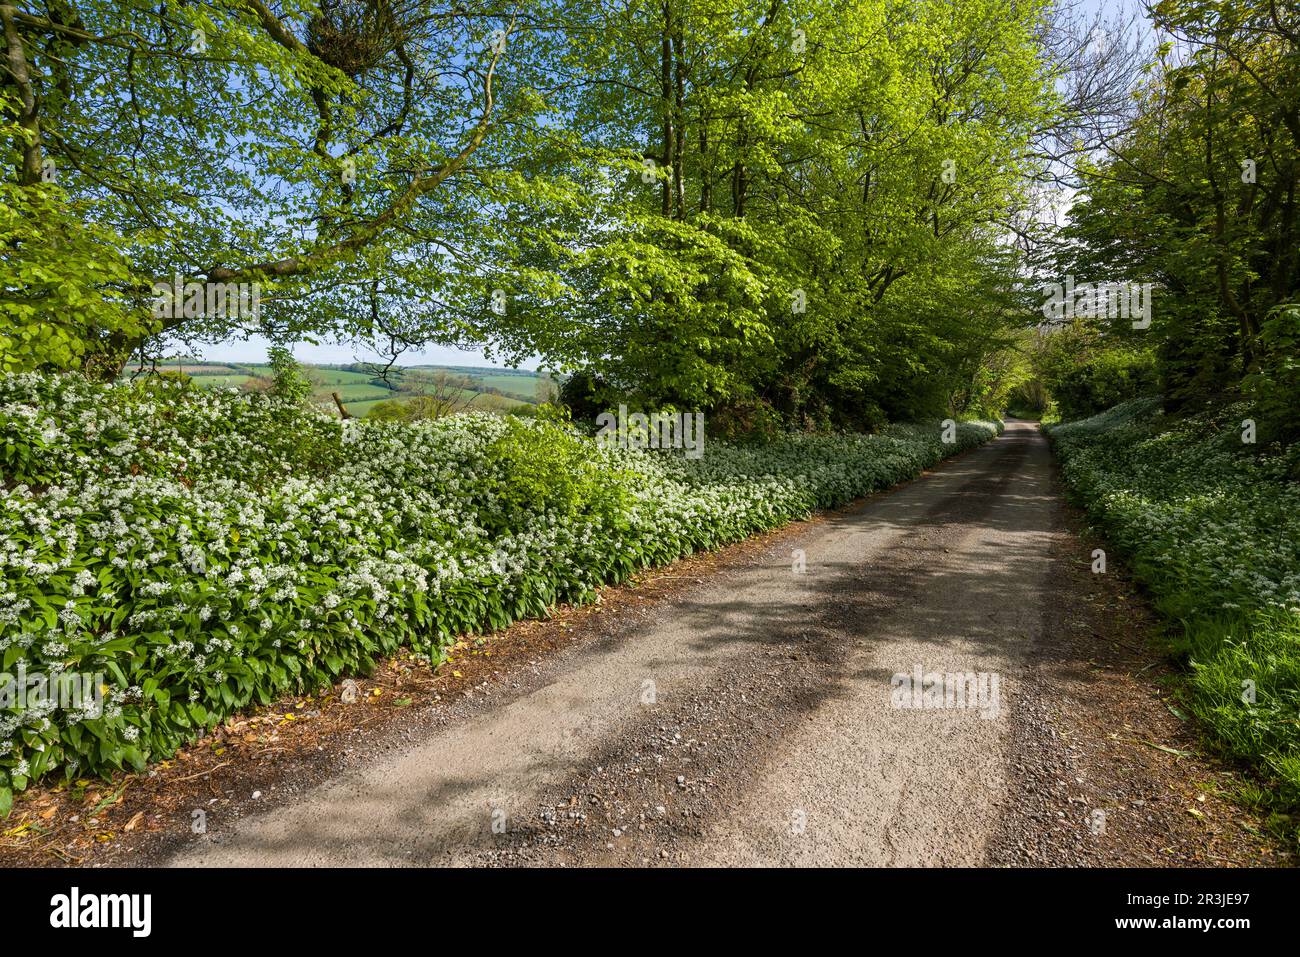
290,383
586,395
541,466
1085,385
1275,386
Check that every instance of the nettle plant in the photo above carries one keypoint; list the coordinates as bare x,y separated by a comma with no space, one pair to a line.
210,550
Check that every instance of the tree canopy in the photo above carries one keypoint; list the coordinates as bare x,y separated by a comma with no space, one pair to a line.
1198,196
818,210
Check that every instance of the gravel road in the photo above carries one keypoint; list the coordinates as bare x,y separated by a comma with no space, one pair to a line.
754,718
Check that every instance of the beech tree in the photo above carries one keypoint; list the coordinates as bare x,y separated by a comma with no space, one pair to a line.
345,155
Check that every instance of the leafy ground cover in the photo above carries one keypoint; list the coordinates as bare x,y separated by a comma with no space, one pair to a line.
205,549
1211,524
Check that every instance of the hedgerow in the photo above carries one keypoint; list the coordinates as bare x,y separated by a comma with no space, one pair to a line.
1211,524
208,550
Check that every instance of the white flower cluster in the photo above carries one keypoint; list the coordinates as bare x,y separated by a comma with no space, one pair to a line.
1213,523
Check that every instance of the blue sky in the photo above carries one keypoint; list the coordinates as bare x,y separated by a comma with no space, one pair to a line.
254,350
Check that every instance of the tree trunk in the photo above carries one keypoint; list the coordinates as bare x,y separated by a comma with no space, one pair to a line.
666,106
19,77
679,138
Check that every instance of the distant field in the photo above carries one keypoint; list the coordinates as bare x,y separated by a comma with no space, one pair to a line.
360,395
360,391
486,402
221,381
202,369
520,384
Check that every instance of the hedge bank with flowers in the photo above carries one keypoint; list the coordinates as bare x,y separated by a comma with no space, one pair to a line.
1212,526
209,550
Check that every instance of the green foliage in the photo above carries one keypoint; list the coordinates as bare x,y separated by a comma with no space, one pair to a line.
817,234
1085,373
756,421
253,134
586,395
540,465
1274,387
1199,199
998,379
1212,526
1251,655
189,545
312,449
389,410
822,248
65,297
176,376
416,407
290,383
